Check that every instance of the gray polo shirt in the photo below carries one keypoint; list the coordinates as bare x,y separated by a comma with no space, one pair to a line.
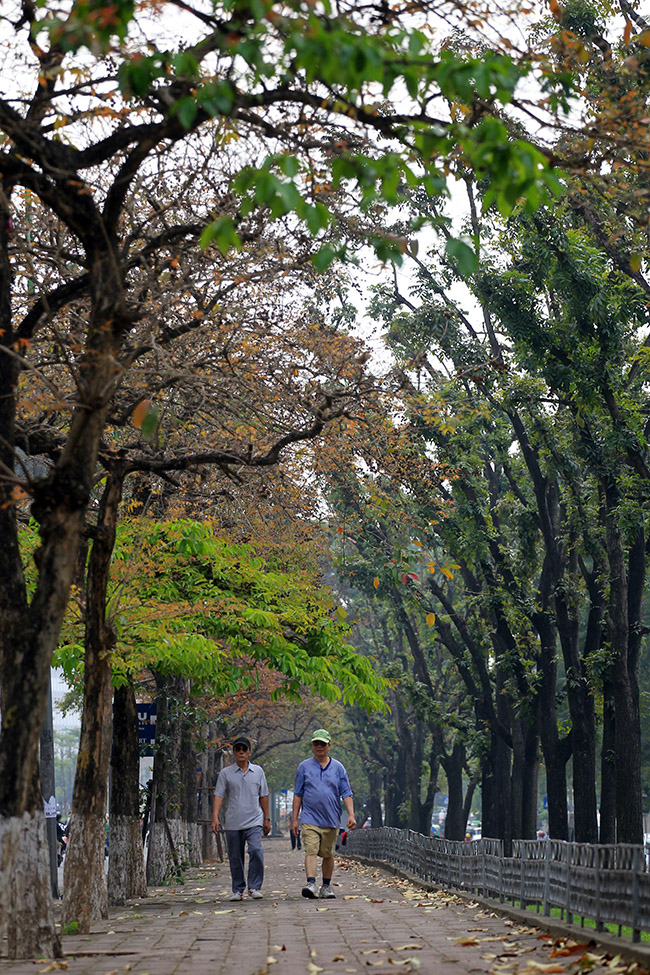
241,793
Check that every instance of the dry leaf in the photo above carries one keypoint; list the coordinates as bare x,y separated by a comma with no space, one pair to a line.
409,948
231,910
313,968
181,913
322,908
279,948
374,951
271,960
313,953
544,968
466,941
338,958
568,949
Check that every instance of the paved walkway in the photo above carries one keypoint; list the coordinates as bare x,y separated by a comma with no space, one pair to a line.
378,924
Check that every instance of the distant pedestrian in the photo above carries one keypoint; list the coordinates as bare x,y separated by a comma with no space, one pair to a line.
242,790
321,783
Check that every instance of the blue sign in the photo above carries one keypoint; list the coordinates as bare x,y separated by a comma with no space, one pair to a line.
146,726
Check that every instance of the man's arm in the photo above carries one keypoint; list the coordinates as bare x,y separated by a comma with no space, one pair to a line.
216,806
349,807
266,825
297,803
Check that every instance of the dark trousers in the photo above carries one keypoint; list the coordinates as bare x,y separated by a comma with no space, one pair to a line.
295,840
236,840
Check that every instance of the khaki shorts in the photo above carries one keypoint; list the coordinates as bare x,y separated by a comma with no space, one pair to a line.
319,840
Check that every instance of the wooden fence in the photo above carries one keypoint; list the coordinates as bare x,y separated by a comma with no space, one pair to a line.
607,884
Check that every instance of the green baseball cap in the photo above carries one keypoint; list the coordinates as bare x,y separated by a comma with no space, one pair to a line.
321,735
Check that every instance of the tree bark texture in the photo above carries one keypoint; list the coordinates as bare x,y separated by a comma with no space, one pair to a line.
85,896
126,866
624,680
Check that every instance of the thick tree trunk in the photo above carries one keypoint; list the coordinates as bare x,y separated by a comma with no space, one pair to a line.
374,801
608,768
453,765
85,896
525,761
624,678
126,867
166,856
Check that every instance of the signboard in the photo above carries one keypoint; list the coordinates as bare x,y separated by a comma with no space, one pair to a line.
146,726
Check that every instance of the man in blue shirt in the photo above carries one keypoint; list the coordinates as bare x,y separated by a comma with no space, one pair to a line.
321,783
242,790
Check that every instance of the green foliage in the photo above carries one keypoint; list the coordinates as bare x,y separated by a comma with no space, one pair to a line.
297,53
187,602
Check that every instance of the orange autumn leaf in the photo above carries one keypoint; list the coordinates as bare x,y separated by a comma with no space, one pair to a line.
140,412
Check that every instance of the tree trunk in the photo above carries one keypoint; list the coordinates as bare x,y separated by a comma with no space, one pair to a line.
85,896
166,855
608,768
453,766
374,801
126,868
29,634
624,680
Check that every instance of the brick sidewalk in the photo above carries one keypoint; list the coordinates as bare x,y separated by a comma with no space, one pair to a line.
378,924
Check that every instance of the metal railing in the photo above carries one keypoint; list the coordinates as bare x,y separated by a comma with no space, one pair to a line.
606,884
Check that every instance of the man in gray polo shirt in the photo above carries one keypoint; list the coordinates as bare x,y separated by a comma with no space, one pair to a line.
242,791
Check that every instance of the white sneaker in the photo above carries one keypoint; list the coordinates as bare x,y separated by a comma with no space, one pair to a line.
327,892
236,895
309,890
255,894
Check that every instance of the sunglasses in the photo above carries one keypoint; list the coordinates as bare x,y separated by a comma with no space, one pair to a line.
240,748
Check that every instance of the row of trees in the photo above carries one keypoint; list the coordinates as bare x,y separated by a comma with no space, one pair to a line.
514,597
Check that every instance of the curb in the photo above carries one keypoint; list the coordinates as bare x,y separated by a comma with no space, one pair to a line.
611,943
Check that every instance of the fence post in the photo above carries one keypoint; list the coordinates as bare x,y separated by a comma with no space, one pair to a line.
547,877
568,911
599,924
500,877
522,879
636,866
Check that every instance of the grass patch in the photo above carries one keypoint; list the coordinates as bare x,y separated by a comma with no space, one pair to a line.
589,922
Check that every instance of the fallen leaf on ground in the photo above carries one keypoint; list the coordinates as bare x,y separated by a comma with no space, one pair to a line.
54,966
313,953
231,910
313,968
279,948
374,951
338,958
538,967
469,942
405,961
567,950
271,960
350,897
409,948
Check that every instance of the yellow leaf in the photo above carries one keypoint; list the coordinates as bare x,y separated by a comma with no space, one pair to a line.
431,618
643,38
375,582
466,941
447,573
627,33
635,262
